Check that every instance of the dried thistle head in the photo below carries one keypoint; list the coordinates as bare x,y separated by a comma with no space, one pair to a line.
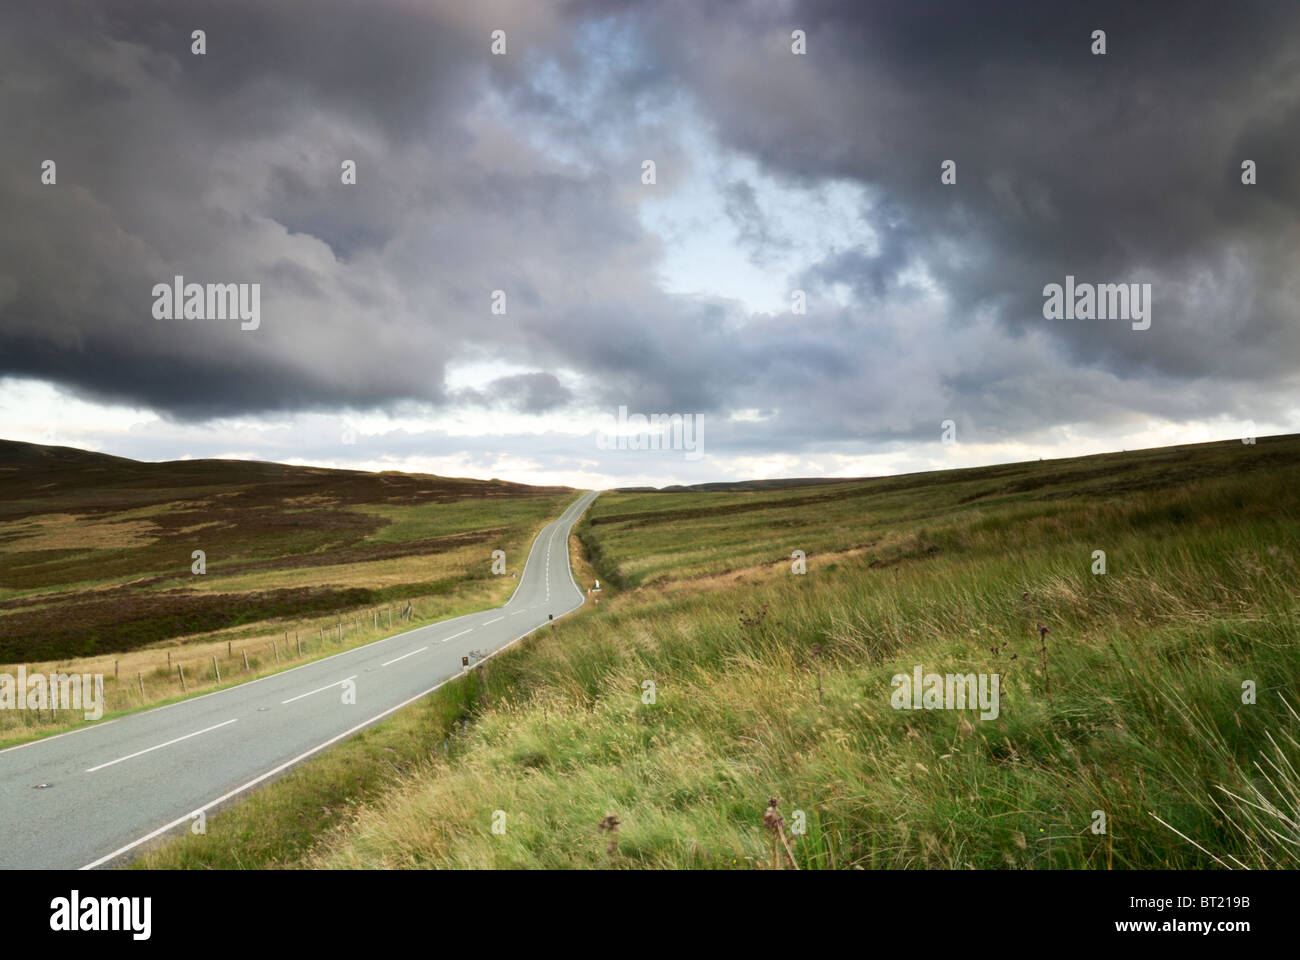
772,818
1043,631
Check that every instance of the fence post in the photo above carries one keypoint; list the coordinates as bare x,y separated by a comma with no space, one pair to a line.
181,671
215,668
275,647
245,652
140,677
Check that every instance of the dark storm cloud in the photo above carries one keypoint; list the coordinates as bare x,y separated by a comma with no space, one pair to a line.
1117,168
522,392
478,173
1123,167
226,168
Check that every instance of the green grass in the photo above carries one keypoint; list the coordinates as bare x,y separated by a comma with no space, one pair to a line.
1132,703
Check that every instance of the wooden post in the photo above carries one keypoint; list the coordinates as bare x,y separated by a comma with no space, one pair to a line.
276,648
140,677
114,669
215,668
169,659
376,620
299,647
245,658
228,653
181,672
390,618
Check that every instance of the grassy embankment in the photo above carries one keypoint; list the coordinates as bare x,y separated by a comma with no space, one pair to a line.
772,684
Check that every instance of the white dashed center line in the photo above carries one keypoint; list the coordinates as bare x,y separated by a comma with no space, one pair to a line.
161,745
455,635
327,686
404,656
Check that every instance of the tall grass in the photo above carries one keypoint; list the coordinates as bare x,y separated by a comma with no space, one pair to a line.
1145,724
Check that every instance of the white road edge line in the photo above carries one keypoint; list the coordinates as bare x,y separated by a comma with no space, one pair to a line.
302,756
318,689
252,783
404,656
215,726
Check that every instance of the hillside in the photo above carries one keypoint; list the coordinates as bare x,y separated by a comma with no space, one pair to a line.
97,553
1153,700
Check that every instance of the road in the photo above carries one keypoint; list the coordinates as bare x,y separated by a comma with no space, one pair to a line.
121,783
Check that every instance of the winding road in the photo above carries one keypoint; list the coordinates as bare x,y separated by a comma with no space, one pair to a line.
126,781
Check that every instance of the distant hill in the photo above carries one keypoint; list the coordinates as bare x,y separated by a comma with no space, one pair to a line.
28,469
95,550
735,486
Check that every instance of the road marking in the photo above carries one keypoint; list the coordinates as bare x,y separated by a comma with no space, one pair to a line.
404,656
189,817
95,726
455,635
161,745
490,622
519,614
319,689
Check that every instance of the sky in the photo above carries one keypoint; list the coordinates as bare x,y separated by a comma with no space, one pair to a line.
838,267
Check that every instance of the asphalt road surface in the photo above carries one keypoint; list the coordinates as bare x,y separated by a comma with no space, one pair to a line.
123,782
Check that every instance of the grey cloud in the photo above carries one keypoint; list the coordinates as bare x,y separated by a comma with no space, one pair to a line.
518,173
